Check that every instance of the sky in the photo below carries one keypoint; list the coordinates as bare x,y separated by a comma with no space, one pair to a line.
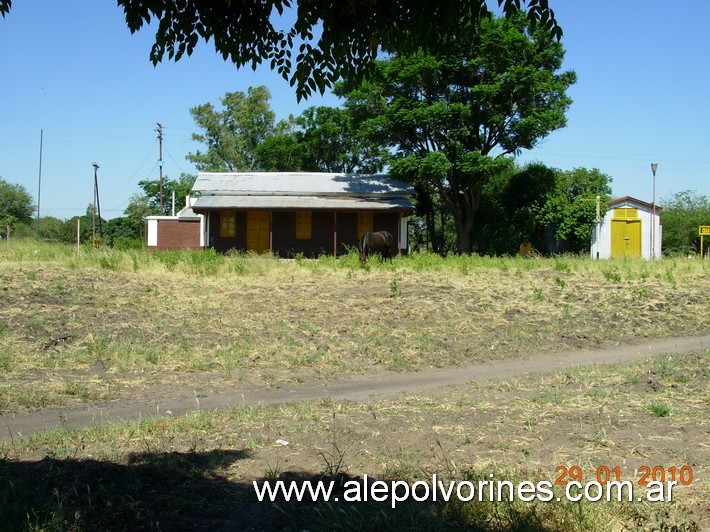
74,79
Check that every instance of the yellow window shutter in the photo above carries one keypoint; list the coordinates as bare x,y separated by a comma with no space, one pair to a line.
304,226
227,224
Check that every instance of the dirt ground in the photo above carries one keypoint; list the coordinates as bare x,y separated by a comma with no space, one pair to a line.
178,400
85,336
397,374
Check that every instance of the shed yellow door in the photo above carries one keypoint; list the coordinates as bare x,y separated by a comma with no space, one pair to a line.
625,239
258,231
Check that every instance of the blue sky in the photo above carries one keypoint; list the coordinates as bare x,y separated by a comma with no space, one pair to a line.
73,70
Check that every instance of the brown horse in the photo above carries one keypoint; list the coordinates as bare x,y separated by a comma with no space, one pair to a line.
379,242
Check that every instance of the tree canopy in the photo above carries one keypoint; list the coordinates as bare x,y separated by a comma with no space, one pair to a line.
683,213
329,39
16,205
323,139
233,134
452,118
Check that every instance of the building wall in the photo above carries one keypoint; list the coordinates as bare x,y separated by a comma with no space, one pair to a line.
283,232
172,234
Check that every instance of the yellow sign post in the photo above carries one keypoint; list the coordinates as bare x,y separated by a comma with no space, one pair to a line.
702,231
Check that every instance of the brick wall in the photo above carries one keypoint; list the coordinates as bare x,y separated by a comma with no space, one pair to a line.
174,234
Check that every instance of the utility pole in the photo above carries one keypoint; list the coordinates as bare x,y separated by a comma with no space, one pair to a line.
97,204
159,129
39,185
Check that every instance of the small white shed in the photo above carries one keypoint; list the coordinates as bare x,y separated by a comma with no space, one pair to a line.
629,229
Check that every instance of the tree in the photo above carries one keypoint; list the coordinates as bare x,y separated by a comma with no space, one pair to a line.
552,209
16,205
335,38
322,139
233,134
147,203
135,213
453,119
51,229
681,216
182,187
571,208
332,144
122,232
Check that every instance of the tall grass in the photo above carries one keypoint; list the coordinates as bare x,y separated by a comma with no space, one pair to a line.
209,263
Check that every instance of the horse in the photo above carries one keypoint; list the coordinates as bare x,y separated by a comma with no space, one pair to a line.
378,242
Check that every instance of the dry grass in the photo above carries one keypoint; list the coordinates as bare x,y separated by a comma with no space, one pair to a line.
102,325
517,429
89,322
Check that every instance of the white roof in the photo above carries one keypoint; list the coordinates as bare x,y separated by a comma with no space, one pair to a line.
298,184
302,202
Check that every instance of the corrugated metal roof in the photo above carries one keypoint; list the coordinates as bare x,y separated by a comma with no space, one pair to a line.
299,184
631,200
301,202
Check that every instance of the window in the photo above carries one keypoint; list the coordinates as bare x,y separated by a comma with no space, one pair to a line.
228,224
303,225
626,212
364,223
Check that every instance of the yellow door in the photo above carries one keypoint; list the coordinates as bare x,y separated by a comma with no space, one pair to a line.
625,239
364,223
258,231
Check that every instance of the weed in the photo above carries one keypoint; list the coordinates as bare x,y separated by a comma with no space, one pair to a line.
612,275
334,460
394,289
110,260
559,281
659,410
273,472
670,276
562,266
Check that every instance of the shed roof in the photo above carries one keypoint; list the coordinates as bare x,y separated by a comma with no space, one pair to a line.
299,184
631,200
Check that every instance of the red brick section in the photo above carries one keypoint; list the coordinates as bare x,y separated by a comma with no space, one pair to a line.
181,235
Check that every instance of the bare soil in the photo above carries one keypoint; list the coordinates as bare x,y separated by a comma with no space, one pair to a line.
397,374
177,400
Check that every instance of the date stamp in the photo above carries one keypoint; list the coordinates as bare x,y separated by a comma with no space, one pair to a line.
604,474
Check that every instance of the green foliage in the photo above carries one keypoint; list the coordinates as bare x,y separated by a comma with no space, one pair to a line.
681,216
552,209
148,203
325,141
233,134
451,118
659,410
335,39
572,208
16,205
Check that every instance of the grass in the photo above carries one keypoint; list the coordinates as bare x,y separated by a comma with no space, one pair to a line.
78,328
197,468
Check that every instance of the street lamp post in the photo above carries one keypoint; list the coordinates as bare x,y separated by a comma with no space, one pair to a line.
654,167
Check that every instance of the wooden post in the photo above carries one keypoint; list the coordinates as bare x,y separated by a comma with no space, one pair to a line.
271,233
399,236
335,234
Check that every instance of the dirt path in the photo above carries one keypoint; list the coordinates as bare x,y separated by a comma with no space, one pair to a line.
356,388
